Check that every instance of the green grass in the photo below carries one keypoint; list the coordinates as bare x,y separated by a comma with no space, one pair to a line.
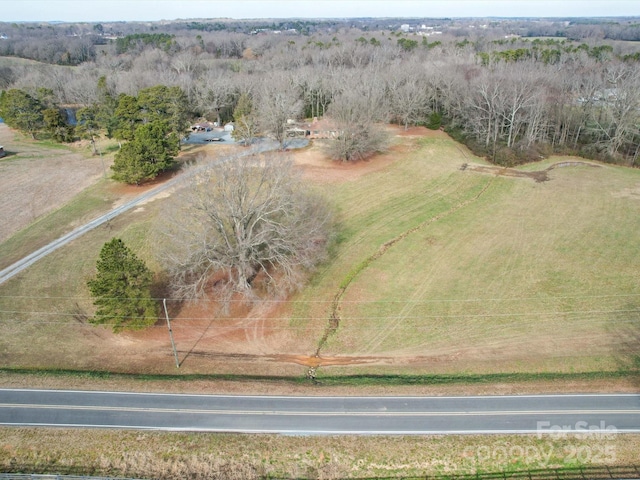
436,271
324,379
525,277
44,310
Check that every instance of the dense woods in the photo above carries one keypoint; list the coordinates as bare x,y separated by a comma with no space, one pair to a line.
513,90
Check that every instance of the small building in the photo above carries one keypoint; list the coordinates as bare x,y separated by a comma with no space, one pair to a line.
2,152
323,128
229,127
297,132
202,127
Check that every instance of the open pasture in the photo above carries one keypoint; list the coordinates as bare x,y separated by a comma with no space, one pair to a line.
436,269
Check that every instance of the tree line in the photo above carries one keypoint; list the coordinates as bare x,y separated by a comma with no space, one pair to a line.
511,99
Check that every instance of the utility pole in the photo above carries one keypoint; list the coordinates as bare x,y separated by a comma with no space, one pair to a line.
173,345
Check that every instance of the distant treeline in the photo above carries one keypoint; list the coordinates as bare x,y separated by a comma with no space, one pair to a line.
163,41
511,98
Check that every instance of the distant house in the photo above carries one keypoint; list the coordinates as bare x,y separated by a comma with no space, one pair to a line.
202,127
2,152
229,127
323,128
318,129
297,132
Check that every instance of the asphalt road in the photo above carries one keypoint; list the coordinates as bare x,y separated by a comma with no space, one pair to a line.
596,414
30,259
20,265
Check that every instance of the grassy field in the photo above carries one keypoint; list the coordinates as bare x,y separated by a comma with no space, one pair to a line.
36,178
485,273
436,270
442,281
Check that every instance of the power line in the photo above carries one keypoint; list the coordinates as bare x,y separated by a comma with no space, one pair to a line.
180,321
178,326
293,301
373,317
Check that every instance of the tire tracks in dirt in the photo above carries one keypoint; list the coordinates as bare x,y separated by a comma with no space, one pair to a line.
398,212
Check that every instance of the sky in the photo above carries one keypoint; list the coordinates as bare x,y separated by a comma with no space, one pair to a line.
154,10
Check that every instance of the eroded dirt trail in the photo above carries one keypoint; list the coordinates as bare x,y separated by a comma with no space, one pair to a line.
333,322
538,175
256,335
334,318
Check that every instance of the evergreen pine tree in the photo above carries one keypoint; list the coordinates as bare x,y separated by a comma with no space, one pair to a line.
149,153
122,289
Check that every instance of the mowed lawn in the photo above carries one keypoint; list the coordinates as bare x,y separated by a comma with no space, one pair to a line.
496,274
435,269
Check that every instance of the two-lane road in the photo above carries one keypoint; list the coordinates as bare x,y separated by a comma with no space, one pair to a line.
322,415
17,267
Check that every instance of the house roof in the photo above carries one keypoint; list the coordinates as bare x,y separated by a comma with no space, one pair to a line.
323,124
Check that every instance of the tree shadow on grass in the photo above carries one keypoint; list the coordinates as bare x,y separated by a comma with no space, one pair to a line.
175,308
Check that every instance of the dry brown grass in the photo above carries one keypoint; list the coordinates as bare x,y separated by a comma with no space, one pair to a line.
39,179
528,277
251,343
199,455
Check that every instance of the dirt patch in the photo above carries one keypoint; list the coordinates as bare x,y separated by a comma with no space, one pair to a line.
632,193
320,361
248,339
317,166
537,176
253,339
256,333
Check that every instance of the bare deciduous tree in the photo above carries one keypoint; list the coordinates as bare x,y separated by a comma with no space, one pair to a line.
278,102
239,219
356,111
409,100
214,93
500,95
619,103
